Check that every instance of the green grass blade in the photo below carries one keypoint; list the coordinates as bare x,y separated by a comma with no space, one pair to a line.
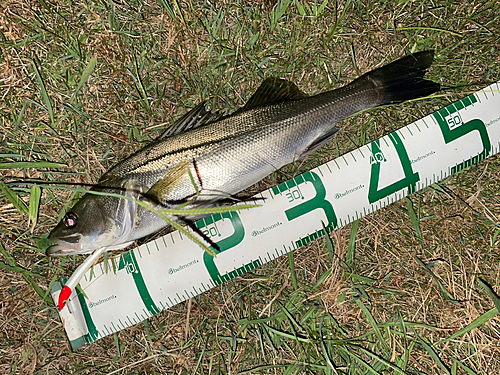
414,220
430,350
291,266
427,28
446,295
329,243
478,322
281,333
187,233
8,267
206,211
179,10
18,269
366,365
12,264
19,117
402,324
31,164
322,278
279,12
42,293
13,198
373,323
141,89
167,4
300,8
352,244
466,368
322,7
491,293
381,360
9,258
43,91
85,76
35,196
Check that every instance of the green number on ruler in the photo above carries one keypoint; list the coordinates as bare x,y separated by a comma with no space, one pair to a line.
452,127
410,179
312,204
129,262
225,244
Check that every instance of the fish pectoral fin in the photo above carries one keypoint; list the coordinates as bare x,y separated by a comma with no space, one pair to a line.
196,117
318,143
160,191
273,91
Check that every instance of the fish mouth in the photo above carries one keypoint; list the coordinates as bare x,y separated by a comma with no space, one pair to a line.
69,246
66,246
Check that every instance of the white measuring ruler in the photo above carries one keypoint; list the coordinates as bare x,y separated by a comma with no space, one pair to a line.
171,269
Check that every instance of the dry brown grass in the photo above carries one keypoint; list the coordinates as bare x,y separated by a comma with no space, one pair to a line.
208,54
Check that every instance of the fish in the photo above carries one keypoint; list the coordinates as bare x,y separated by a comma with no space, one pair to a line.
206,158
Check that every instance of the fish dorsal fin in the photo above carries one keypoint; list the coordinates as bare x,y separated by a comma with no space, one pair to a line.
160,190
273,91
196,117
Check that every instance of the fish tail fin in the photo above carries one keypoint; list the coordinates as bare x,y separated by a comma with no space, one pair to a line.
402,79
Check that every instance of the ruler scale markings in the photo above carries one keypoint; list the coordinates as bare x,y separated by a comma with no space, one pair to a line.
422,153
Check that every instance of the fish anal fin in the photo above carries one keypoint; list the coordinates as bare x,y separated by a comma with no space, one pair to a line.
160,191
318,143
273,91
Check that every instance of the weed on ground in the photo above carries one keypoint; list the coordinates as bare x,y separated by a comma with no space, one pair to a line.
409,289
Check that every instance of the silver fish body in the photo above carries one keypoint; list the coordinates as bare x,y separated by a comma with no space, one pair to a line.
277,126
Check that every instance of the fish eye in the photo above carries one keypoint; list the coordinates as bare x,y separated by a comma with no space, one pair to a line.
70,220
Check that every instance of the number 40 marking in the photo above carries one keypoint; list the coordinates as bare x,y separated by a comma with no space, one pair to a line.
409,180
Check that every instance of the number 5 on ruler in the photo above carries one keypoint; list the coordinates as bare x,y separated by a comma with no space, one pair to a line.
451,125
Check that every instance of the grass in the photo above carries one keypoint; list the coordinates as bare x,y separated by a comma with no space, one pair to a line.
410,289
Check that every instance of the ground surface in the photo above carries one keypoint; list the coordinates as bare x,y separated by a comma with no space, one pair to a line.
85,84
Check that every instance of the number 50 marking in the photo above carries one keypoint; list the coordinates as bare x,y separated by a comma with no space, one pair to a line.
452,127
